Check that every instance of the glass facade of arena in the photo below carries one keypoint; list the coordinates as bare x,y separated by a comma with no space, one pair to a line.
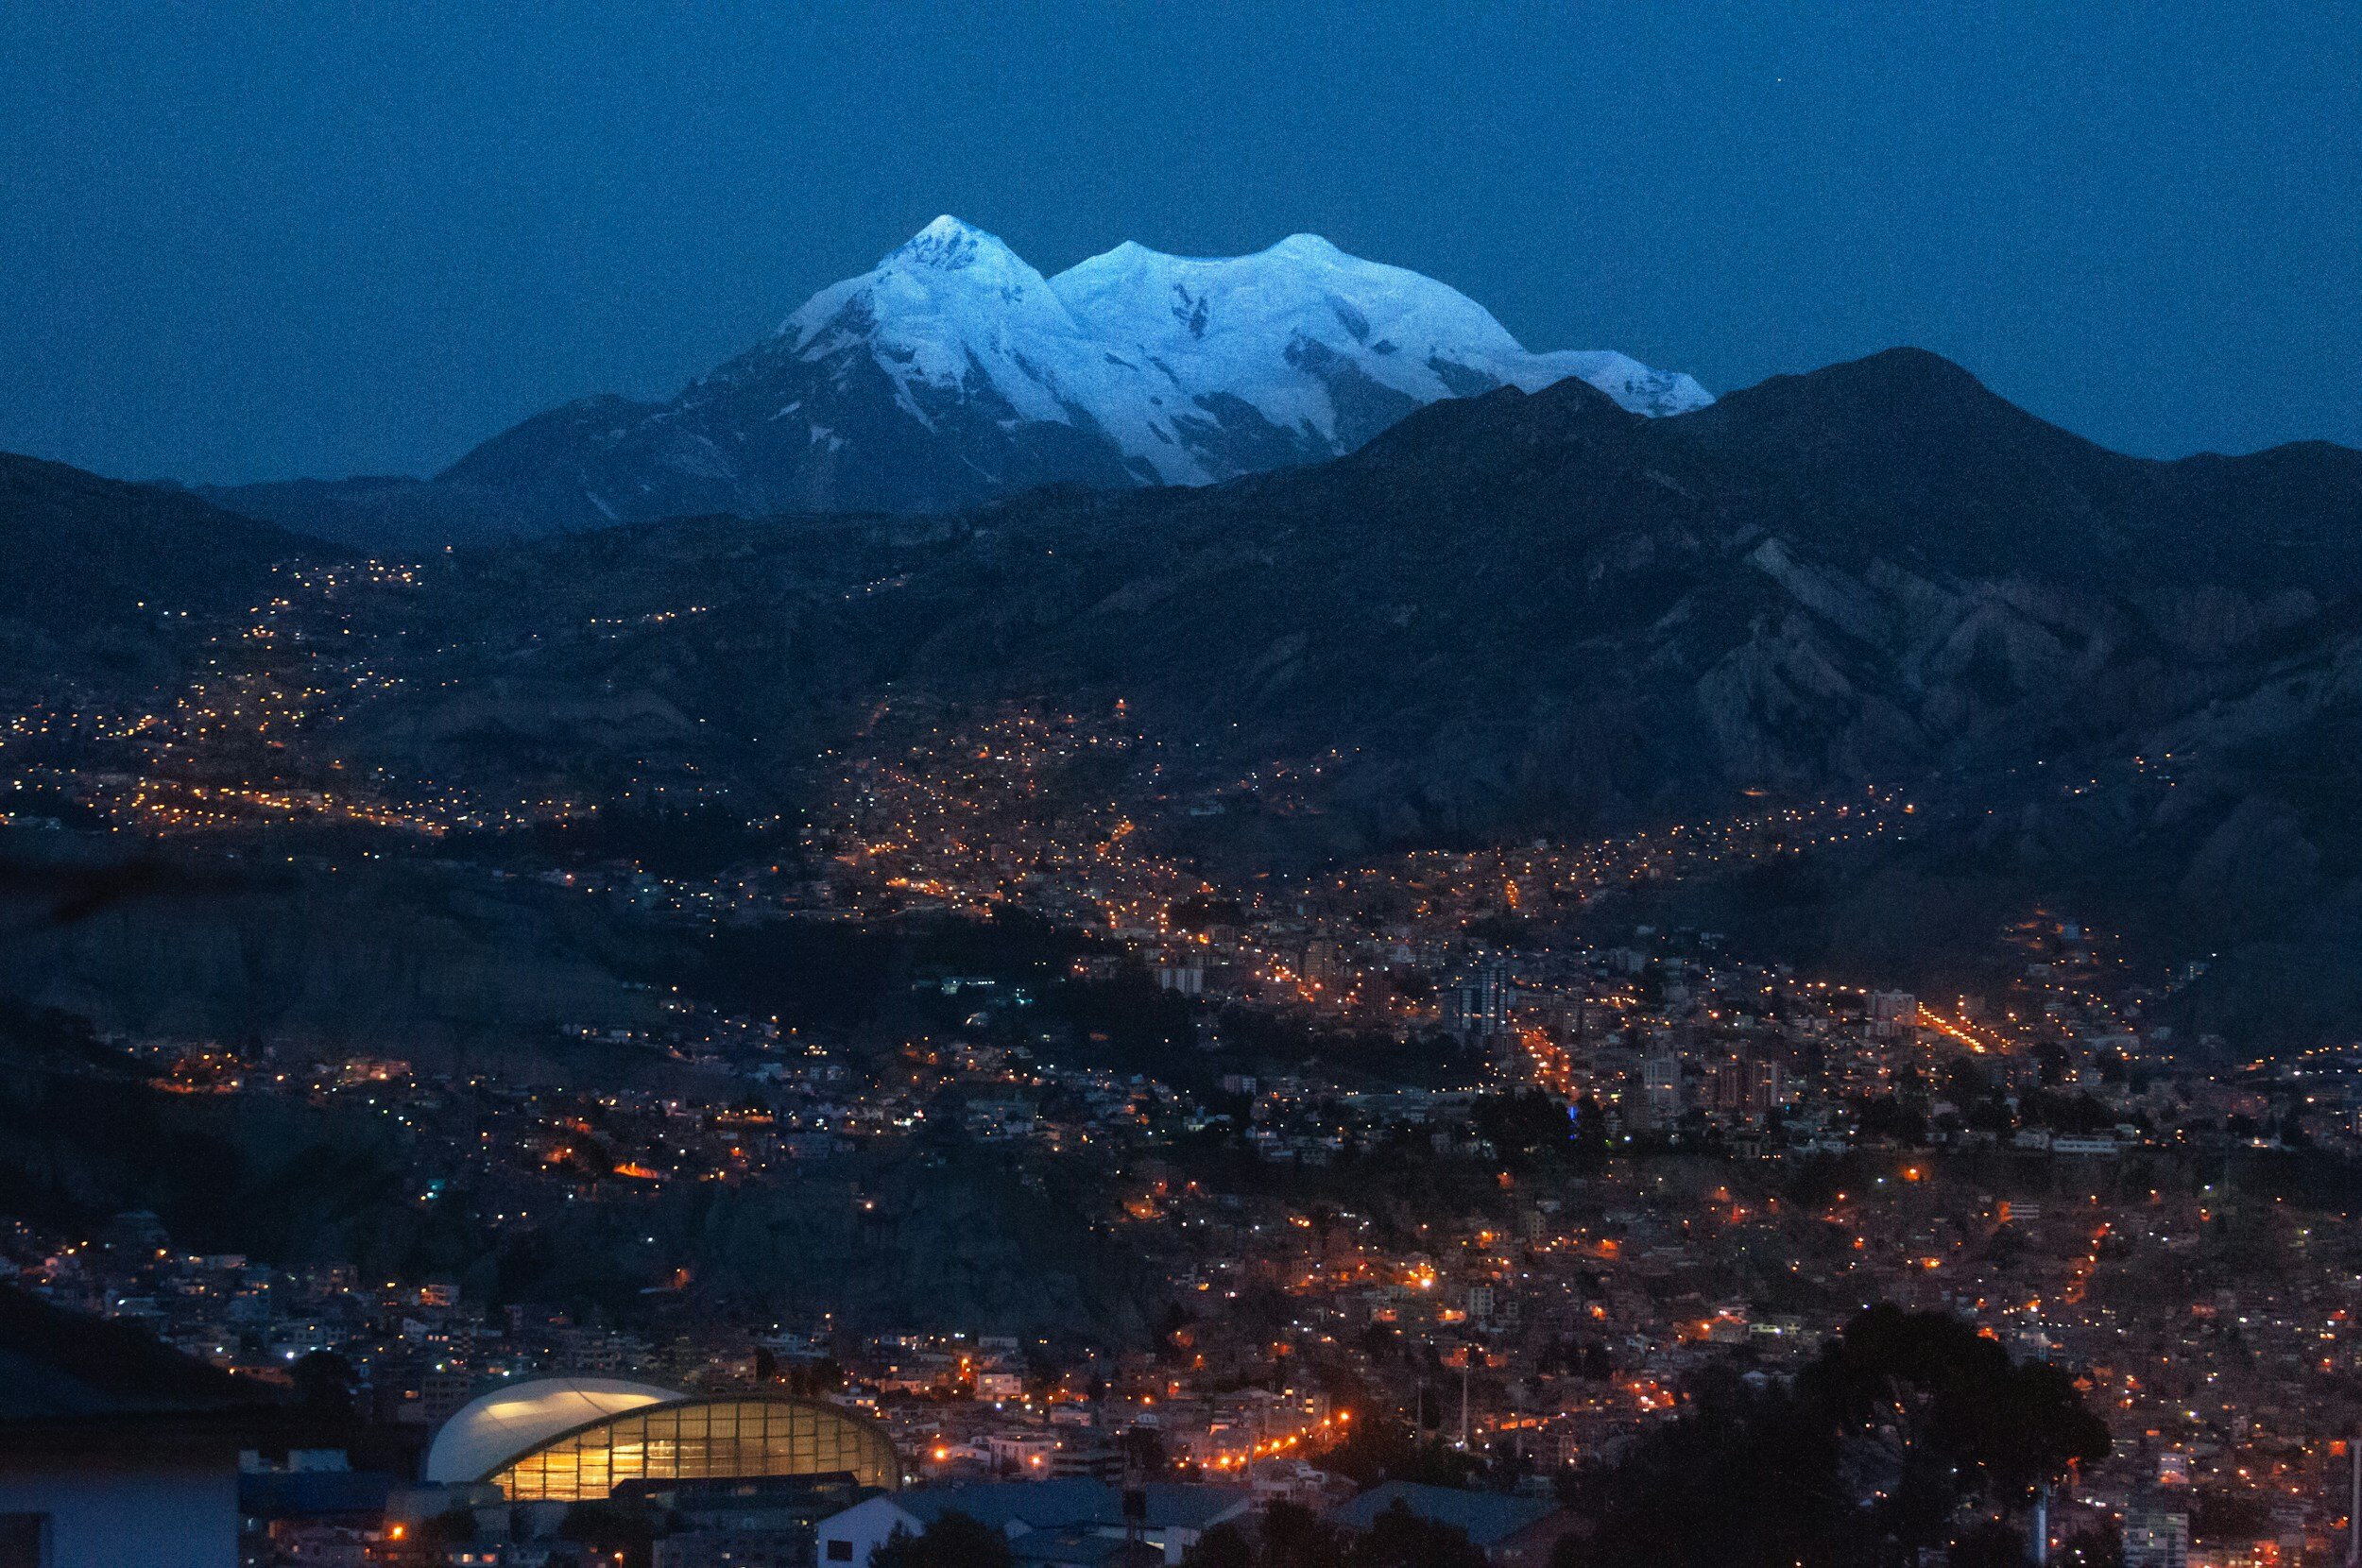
703,1439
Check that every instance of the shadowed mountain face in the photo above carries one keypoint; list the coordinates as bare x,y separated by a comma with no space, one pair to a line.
91,568
2134,681
953,372
1503,606
1909,455
2130,681
80,548
1878,570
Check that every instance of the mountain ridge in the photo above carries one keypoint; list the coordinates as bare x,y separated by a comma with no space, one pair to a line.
2132,684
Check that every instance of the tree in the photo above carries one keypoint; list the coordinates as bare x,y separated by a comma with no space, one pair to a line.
1903,1426
453,1526
1295,1537
609,1528
1382,1449
1995,1543
1891,1117
1972,1425
1399,1538
1292,1536
1223,1546
324,1387
953,1540
1524,1124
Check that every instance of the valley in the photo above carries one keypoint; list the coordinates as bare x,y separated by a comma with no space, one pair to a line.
1312,932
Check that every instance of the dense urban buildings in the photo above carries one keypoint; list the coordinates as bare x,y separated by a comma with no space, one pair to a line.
1511,1197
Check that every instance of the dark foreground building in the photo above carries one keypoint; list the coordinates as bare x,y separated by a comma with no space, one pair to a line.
115,1449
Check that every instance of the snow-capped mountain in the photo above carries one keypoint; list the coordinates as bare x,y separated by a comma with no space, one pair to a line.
953,371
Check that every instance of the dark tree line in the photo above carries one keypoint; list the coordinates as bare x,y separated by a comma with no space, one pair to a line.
1291,1536
1913,1430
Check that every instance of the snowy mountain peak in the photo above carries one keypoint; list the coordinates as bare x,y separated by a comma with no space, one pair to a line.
952,371
948,288
1310,246
949,245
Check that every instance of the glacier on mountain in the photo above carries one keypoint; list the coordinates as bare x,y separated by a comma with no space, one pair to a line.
953,372
1158,351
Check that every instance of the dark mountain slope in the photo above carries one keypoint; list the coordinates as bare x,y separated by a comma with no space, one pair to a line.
1542,609
91,567
1907,455
74,547
2132,681
1520,594
376,515
2125,682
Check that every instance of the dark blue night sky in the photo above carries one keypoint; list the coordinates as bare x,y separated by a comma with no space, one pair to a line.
244,243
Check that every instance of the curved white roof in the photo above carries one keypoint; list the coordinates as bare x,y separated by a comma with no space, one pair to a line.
484,1436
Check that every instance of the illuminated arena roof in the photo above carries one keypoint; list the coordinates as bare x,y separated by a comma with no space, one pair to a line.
575,1440
486,1434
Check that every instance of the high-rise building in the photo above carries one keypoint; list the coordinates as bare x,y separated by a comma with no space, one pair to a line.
1479,1006
2156,1535
1661,1089
1749,1089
